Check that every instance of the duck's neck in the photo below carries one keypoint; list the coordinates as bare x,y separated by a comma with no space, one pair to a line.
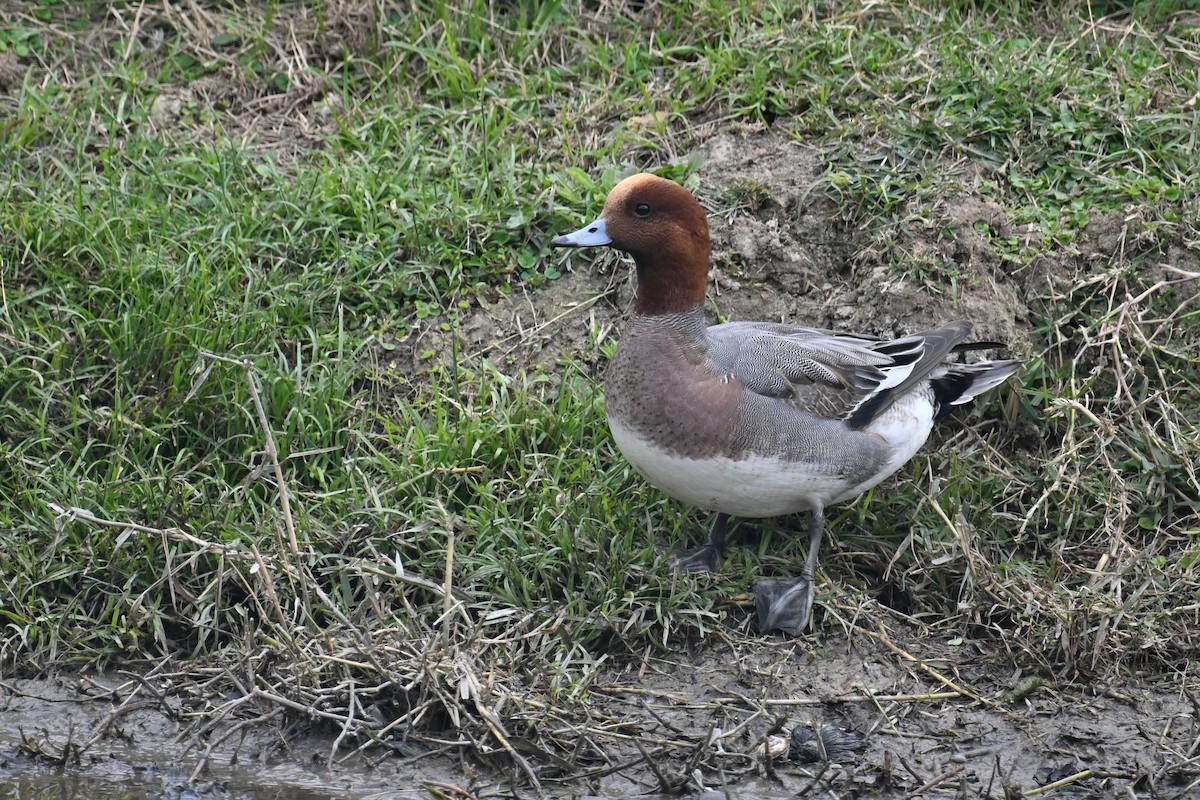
671,281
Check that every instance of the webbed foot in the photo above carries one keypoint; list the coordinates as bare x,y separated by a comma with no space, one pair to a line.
783,604
704,558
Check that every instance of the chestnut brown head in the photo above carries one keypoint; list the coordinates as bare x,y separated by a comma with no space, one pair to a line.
661,225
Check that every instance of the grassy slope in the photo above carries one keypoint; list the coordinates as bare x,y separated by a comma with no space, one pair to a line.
158,277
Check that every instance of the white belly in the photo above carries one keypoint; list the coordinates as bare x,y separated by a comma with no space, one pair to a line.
765,486
747,487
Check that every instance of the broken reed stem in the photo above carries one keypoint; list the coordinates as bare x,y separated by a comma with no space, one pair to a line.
497,729
268,584
940,779
664,785
351,705
883,639
414,580
238,727
1050,787
285,503
964,544
448,583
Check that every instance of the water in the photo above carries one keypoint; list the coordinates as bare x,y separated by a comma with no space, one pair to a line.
121,782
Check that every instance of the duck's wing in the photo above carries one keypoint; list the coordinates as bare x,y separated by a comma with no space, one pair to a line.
832,375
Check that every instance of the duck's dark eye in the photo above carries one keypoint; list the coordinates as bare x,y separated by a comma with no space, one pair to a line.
642,210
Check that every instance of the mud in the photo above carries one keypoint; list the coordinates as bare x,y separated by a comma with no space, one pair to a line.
953,724
82,736
1133,741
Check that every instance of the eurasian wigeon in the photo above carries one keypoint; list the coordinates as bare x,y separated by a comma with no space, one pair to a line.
758,419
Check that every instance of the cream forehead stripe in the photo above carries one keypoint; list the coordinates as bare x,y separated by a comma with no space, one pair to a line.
622,190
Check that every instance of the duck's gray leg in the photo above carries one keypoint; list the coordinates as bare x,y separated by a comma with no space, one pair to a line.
706,557
785,604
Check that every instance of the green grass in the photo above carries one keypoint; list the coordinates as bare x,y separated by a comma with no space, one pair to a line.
156,275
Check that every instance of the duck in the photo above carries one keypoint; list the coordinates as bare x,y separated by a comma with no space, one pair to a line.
759,419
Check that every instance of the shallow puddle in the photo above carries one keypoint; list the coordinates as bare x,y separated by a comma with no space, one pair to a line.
67,786
117,773
122,782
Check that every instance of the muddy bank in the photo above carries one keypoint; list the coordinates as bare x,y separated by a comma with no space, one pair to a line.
935,717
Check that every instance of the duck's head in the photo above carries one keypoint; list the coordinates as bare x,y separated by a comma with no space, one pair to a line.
661,225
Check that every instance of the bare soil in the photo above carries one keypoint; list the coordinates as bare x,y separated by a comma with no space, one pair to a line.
953,723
